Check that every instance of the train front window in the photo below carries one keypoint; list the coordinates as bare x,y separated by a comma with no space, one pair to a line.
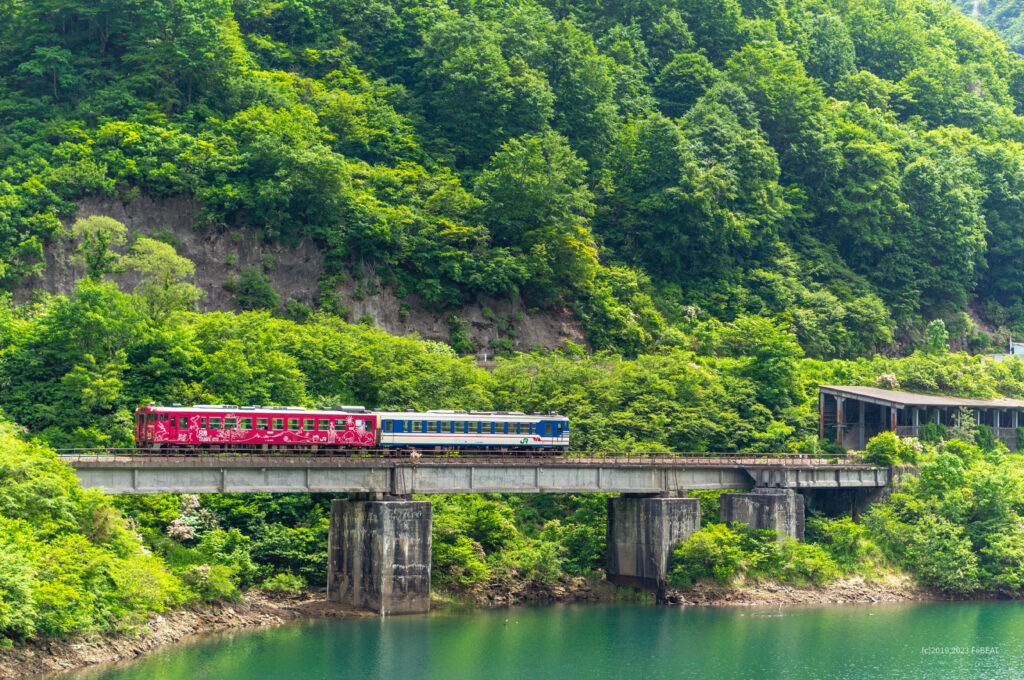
389,426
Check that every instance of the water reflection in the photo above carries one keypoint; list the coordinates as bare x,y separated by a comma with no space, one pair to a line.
962,640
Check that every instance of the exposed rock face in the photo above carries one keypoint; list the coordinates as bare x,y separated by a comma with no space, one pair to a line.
295,270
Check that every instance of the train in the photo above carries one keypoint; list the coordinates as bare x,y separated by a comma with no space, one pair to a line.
212,427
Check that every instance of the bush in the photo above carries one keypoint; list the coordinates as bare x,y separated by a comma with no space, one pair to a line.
714,552
887,449
252,290
212,582
932,433
845,541
285,582
883,449
725,554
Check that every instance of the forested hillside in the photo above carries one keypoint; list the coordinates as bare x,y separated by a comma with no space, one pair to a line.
851,169
1002,16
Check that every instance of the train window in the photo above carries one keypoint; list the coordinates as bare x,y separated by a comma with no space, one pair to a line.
163,417
278,423
214,423
261,423
446,427
245,423
293,424
183,421
324,425
389,426
308,424
415,426
431,426
230,422
367,424
202,423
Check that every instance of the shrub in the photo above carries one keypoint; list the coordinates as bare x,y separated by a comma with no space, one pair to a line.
212,582
252,290
883,449
285,582
714,552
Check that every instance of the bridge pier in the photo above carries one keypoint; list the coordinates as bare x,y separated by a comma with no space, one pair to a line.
378,554
766,508
641,533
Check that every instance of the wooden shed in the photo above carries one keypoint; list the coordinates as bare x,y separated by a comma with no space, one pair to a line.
852,414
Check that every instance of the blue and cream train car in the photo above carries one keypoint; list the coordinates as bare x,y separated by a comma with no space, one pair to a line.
473,429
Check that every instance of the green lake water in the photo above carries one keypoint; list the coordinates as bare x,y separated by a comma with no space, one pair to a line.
957,640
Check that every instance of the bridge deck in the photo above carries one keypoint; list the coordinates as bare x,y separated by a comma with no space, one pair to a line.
121,474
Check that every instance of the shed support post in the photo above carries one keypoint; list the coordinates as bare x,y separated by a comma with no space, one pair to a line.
839,421
892,418
860,425
821,415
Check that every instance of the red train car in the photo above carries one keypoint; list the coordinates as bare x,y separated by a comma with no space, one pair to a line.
256,427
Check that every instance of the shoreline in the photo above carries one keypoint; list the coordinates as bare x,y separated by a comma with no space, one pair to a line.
262,609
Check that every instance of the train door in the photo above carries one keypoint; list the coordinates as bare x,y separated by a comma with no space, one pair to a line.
172,427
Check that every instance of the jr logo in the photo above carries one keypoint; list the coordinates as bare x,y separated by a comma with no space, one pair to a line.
524,441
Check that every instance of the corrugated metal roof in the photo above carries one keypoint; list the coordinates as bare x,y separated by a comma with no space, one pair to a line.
900,399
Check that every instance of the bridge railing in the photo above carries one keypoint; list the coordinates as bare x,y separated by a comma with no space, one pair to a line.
466,456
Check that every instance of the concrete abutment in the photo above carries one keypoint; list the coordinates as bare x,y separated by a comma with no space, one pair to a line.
378,555
641,533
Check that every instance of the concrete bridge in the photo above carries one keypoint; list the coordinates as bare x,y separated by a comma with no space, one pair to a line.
380,539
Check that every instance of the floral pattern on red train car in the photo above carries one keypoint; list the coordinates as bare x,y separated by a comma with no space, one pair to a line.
342,429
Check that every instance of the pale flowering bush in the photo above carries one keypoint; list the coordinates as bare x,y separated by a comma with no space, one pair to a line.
887,381
201,573
193,520
180,529
216,582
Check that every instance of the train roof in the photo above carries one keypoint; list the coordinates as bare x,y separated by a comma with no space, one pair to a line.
439,414
469,415
263,410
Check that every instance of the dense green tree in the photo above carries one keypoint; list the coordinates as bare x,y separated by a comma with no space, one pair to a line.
164,276
536,200
96,237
